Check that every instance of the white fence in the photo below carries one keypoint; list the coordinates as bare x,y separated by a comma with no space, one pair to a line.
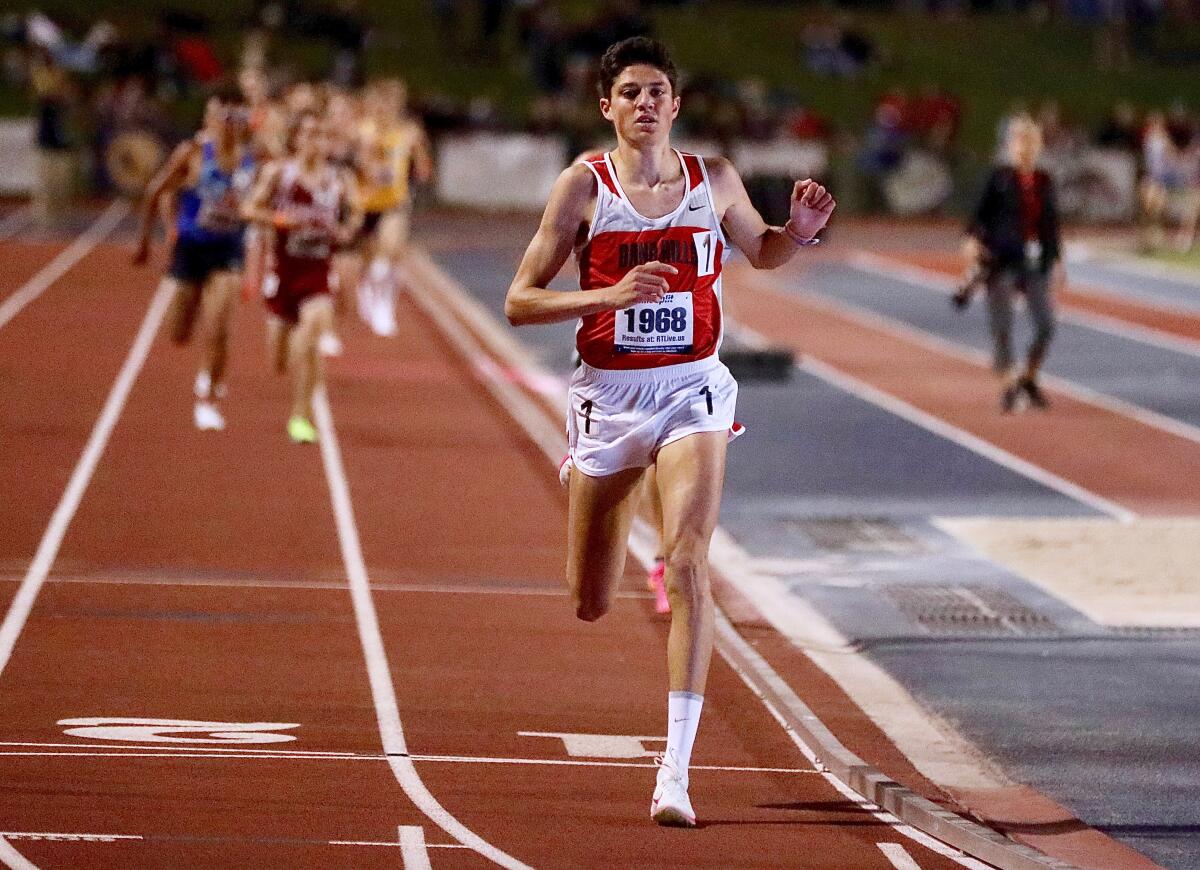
18,158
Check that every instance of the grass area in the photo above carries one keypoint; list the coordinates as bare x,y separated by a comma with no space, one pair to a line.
989,61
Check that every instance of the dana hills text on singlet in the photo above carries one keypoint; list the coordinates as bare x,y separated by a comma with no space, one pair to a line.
664,250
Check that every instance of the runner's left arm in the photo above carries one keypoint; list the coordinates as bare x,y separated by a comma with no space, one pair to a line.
765,246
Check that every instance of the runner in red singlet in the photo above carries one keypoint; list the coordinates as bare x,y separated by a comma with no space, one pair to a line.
650,228
311,204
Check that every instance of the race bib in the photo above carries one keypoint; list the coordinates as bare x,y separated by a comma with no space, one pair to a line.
220,215
656,327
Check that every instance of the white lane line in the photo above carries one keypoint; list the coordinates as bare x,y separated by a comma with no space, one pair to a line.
929,279
64,262
383,692
874,320
541,430
412,848
727,633
13,859
900,859
15,222
47,551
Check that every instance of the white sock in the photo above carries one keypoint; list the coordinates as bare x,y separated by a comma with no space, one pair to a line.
683,718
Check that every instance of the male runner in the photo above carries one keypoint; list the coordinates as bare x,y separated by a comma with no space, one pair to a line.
392,146
649,228
311,205
205,179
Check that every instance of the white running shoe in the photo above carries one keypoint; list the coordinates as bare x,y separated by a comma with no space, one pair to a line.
329,344
203,385
207,417
383,317
671,806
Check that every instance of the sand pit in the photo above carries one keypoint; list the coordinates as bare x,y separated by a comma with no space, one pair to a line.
1144,573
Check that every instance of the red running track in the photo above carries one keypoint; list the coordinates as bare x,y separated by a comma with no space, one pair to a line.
203,579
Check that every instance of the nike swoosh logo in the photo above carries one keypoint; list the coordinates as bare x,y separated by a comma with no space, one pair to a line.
695,207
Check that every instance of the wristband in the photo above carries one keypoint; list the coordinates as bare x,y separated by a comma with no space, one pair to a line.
804,243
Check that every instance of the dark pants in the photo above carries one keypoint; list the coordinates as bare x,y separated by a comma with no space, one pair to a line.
1003,284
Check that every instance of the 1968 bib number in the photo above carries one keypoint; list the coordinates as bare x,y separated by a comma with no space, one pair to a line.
656,327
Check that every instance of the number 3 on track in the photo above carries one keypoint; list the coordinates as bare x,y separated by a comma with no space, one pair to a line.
137,730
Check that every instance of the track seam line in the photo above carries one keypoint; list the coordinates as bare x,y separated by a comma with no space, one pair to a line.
536,423
930,279
64,262
379,675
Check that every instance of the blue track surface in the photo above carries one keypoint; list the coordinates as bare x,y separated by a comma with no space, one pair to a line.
1164,290
1152,377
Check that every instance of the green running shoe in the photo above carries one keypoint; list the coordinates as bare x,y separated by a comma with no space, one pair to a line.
301,431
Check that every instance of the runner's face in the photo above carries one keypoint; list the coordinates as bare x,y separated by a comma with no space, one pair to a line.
641,105
223,119
311,140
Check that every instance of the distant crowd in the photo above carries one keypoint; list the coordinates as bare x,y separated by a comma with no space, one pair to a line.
94,87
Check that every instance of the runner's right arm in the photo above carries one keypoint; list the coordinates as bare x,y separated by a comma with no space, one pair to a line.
563,225
165,182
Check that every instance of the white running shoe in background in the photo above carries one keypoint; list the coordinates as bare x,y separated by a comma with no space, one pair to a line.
329,344
203,385
207,417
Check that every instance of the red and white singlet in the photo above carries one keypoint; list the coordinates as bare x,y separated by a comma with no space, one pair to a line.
686,325
303,252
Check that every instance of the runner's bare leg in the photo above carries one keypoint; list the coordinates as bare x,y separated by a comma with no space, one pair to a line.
316,317
598,519
691,476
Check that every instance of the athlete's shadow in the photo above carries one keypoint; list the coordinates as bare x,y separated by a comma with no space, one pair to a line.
857,816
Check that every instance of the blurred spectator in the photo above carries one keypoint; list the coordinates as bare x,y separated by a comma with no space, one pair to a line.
1170,184
614,20
934,118
801,122
53,96
1120,129
546,42
760,121
837,49
883,145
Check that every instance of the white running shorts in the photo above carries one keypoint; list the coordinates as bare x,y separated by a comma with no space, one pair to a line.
620,419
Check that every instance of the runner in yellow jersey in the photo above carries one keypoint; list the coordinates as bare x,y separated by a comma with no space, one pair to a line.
393,150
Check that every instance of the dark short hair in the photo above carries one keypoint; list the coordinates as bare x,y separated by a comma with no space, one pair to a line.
635,50
228,93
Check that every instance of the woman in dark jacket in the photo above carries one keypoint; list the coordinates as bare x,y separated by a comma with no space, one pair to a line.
1014,238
